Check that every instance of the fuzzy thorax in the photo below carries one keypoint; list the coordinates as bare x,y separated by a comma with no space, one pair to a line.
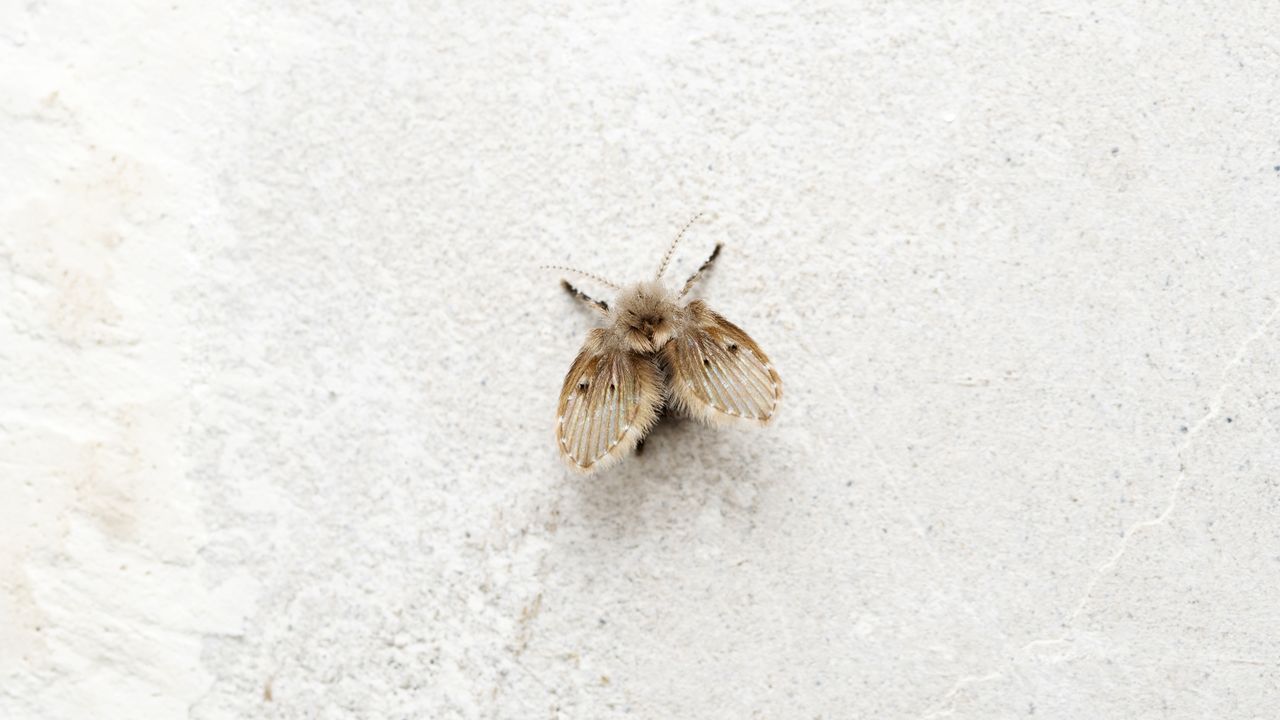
645,316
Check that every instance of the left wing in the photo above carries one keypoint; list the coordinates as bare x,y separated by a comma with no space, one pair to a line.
609,401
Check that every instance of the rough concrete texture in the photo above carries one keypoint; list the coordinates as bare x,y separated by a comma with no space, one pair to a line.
279,366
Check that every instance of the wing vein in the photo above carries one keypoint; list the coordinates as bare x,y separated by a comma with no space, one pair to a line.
742,386
729,392
723,365
747,370
597,416
584,419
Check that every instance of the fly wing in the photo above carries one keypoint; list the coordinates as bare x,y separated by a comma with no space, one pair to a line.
718,373
609,401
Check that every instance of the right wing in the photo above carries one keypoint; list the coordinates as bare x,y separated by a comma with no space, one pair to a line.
609,401
718,373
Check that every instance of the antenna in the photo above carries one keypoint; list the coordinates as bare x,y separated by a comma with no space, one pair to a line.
584,274
671,250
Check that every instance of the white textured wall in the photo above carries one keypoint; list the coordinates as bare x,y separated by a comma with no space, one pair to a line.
278,368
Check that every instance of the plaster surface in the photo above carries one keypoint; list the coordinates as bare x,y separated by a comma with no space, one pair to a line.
279,367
